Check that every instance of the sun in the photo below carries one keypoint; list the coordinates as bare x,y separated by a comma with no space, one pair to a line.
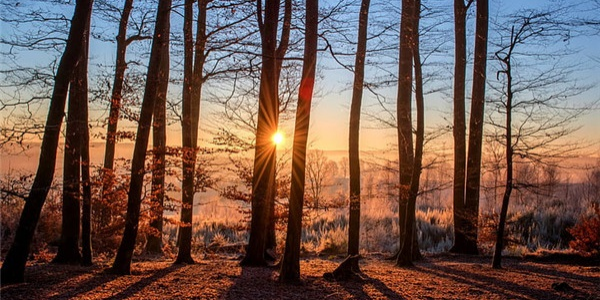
278,138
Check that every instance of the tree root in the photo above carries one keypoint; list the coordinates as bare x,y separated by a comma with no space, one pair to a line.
347,270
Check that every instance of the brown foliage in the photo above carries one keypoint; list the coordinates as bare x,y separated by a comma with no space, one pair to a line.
586,234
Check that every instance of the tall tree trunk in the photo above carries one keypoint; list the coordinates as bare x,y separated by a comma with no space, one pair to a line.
86,204
404,119
113,117
476,129
290,266
159,141
13,268
459,128
264,155
160,44
354,131
409,250
68,249
194,57
280,53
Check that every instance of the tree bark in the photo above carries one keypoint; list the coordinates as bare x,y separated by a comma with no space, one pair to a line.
113,117
160,44
194,57
354,130
290,266
409,249
404,119
159,141
264,156
476,129
459,128
280,53
13,268
86,205
68,249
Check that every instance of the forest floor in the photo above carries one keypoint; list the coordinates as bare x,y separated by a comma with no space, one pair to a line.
219,277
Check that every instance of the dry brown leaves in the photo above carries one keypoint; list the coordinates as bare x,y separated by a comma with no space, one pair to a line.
437,277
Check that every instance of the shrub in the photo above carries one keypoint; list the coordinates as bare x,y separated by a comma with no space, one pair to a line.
586,234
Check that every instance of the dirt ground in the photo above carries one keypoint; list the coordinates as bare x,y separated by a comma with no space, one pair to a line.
436,277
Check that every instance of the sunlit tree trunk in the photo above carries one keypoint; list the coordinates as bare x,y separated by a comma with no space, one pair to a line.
459,128
476,129
113,117
13,268
160,44
264,156
290,266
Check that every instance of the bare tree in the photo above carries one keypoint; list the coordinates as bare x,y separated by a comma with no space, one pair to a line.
160,44
290,265
264,158
532,99
13,268
473,171
459,128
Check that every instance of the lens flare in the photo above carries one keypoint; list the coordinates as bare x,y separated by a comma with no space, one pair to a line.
278,138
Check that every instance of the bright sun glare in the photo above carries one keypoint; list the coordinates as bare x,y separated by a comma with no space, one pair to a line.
278,138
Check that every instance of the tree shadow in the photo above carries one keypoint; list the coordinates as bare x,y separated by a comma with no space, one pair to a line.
141,284
357,287
553,273
502,288
262,283
40,276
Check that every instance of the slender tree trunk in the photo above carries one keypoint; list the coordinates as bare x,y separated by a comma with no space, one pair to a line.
194,57
459,129
280,53
404,119
159,140
86,205
497,259
13,268
160,44
264,155
354,131
113,117
476,129
290,266
409,249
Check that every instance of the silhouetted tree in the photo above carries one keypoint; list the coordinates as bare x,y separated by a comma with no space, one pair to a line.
473,173
264,153
459,128
68,249
404,123
531,100
159,148
290,265
13,268
160,44
122,43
